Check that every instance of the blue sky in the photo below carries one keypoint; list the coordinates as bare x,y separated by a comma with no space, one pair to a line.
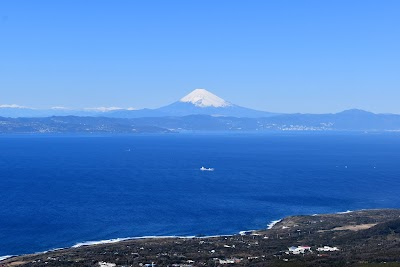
280,56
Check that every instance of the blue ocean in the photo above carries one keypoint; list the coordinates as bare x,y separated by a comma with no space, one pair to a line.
58,190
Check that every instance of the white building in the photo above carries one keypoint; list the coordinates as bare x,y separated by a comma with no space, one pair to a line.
299,250
229,261
327,249
106,264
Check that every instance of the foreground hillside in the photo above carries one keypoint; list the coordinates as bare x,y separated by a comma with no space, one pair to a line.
360,238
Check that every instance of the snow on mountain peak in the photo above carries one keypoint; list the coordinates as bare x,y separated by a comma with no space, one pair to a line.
202,98
11,106
106,109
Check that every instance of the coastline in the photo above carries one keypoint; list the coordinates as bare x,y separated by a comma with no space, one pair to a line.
367,236
2,258
117,240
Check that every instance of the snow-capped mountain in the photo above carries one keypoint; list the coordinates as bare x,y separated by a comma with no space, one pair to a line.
203,98
201,101
197,102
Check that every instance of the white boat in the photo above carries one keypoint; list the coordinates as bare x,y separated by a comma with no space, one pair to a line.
206,169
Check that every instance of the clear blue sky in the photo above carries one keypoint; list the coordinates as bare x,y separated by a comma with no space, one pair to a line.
281,56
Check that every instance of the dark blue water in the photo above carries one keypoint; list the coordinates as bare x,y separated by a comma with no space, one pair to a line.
57,191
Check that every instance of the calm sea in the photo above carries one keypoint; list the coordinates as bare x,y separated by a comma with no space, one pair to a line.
57,191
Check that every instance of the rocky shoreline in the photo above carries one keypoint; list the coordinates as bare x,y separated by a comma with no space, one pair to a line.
358,238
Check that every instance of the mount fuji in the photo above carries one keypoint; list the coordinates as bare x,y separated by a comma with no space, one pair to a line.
198,102
203,99
200,110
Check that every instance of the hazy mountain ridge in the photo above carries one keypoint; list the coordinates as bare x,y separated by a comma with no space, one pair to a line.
200,110
351,120
344,121
199,101
75,124
25,112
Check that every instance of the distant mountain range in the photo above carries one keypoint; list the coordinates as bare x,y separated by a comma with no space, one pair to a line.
198,111
199,101
351,120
